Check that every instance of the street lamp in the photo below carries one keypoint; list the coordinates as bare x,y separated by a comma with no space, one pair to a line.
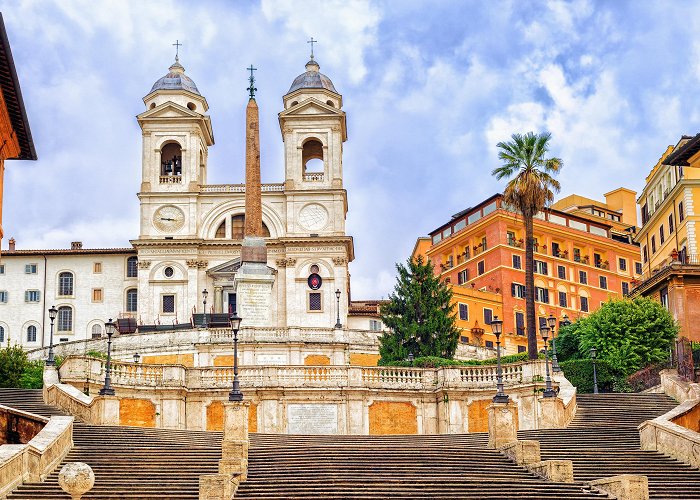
137,357
204,299
410,357
552,323
595,373
548,391
107,389
50,361
337,300
496,328
235,394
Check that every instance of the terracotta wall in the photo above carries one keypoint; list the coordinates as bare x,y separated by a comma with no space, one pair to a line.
137,412
317,360
364,359
690,420
389,417
16,429
169,359
215,417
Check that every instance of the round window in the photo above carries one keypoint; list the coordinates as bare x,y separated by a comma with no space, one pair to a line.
168,272
314,281
314,269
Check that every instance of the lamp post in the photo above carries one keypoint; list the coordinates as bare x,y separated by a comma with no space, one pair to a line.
204,299
50,361
548,391
552,323
137,357
410,358
337,300
235,394
595,373
496,327
107,389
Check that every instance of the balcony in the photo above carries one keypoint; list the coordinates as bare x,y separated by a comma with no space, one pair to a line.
682,263
171,179
314,177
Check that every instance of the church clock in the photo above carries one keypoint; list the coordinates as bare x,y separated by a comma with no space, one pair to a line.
169,218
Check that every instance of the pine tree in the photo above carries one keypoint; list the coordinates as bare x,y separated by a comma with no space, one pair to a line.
419,315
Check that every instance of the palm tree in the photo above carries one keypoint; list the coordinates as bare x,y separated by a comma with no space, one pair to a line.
529,190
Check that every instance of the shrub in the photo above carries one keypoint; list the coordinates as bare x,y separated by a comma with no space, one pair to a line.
580,373
436,362
33,375
13,361
646,377
96,354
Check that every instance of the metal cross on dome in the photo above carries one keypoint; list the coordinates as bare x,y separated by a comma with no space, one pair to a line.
312,42
251,78
177,46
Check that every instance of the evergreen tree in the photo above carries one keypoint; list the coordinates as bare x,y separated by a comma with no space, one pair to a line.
419,315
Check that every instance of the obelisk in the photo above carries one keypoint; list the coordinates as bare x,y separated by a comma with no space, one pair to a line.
253,280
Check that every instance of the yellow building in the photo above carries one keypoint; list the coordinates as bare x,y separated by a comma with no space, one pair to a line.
668,236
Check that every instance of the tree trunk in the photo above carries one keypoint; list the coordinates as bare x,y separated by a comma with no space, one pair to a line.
530,288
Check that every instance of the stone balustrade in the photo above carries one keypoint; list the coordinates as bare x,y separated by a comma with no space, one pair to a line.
78,369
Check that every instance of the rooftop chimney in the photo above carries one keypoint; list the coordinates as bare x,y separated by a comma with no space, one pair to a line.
12,244
76,245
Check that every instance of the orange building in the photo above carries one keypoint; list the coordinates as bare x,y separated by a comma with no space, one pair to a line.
15,136
580,262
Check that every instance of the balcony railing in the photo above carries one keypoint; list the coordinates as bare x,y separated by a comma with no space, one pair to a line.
171,179
684,262
314,177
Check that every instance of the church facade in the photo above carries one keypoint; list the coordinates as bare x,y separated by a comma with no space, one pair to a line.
188,249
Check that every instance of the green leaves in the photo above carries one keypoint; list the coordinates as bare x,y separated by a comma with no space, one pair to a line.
419,314
17,371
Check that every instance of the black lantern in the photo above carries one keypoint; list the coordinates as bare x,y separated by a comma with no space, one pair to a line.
137,357
235,394
205,294
53,312
337,300
107,389
497,328
548,391
552,323
595,373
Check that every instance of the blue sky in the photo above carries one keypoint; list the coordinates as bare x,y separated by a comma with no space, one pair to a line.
429,87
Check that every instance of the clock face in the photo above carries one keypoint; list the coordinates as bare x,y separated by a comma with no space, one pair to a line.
313,217
169,218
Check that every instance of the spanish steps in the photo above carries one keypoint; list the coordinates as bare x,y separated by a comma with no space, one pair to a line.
132,462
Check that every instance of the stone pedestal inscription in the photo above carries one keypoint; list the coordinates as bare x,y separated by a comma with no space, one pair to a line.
271,359
254,296
312,419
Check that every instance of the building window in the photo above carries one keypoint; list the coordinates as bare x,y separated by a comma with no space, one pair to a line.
625,288
562,300
132,267
577,255
97,294
681,212
488,316
521,348
540,267
519,323
463,339
662,236
663,296
638,267
542,295
65,319
65,284
375,325
314,301
132,300
561,272
645,254
597,260
463,312
653,244
31,333
584,304
168,304
467,252
510,236
462,277
30,269
2,268
517,262
480,268
97,267
603,282
583,277
484,246
555,249
622,264
2,334
542,321
32,296
489,344
517,290
168,272
3,296
670,223
96,331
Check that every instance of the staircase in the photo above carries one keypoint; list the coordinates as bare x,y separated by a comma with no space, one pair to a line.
397,467
29,400
603,440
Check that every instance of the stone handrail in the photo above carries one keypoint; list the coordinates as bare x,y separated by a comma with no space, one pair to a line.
78,369
664,434
35,460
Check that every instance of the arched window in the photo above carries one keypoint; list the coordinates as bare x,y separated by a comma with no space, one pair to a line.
238,228
221,230
65,284
2,334
132,267
65,319
132,298
31,333
96,331
171,159
312,156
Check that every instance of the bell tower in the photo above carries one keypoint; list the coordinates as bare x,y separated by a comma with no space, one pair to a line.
177,133
313,130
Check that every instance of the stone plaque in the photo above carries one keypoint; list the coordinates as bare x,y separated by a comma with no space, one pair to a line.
254,301
312,419
271,359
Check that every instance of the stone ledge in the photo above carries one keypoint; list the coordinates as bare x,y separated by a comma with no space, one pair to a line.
557,471
522,452
624,486
217,486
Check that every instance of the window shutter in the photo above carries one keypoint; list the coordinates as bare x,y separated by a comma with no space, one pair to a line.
512,289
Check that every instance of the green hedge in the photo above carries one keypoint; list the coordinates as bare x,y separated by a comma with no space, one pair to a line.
580,373
435,362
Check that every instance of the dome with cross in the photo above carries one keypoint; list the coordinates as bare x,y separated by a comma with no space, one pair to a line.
312,79
176,79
